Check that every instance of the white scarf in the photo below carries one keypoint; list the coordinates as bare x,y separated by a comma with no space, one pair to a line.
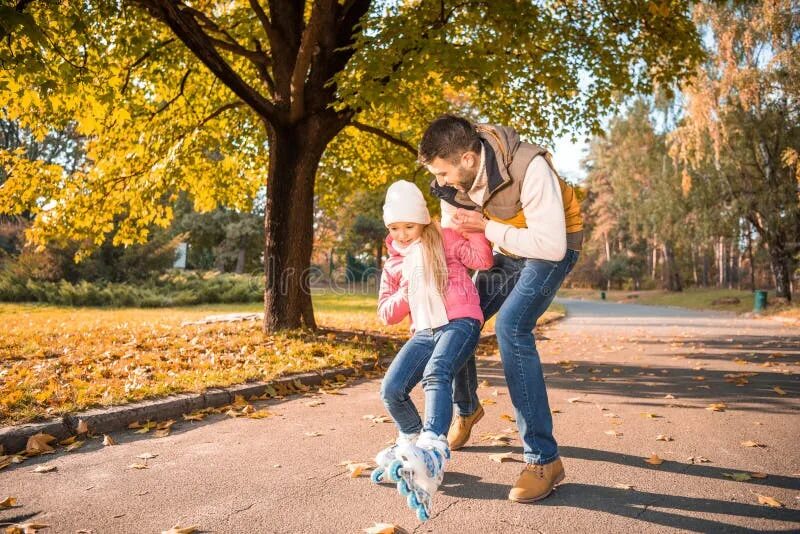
424,301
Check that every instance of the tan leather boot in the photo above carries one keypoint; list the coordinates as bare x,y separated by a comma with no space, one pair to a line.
536,482
461,427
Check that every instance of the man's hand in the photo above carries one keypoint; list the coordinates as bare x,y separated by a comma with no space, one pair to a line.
469,221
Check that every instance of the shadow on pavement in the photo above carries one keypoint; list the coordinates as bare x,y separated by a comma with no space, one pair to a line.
640,505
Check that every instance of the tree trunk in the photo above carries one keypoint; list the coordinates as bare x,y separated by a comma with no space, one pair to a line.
240,257
781,263
294,154
672,275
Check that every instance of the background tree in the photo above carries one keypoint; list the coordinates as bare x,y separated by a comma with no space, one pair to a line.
741,129
197,101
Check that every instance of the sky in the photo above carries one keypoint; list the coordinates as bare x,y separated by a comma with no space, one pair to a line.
567,157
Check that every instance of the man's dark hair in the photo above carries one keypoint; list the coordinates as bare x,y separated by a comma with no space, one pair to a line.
448,137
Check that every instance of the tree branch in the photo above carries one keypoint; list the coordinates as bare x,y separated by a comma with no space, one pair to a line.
385,136
141,60
304,54
265,22
187,29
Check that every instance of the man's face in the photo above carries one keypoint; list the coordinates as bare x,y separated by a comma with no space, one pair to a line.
460,174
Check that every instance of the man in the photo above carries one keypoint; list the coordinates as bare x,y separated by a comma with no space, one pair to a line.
490,181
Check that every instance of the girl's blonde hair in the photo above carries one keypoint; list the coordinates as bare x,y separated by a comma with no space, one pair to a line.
433,255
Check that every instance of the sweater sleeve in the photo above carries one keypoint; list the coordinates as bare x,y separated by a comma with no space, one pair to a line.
545,237
392,299
448,211
474,251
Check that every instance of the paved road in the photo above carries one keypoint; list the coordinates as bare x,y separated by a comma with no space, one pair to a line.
270,475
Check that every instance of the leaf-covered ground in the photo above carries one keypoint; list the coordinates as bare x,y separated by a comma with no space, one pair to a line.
56,360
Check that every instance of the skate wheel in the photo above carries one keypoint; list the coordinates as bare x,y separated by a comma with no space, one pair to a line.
412,501
402,488
422,515
394,470
377,476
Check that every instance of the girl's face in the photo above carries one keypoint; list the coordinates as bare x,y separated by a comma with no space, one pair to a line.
404,233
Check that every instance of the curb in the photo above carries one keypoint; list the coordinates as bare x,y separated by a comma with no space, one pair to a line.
14,439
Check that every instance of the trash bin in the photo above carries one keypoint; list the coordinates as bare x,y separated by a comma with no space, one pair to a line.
602,295
760,300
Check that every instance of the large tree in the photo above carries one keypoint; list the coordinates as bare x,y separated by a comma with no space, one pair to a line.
205,95
740,133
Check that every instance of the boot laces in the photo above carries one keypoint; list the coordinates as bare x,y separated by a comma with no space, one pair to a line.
536,469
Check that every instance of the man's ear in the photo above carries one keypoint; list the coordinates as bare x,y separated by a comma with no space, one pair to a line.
469,159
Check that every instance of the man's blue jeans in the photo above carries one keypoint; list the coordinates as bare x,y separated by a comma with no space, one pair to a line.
519,292
433,357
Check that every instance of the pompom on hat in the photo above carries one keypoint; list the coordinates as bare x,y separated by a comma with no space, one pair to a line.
405,203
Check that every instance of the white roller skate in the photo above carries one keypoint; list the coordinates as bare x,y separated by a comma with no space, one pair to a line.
385,458
419,470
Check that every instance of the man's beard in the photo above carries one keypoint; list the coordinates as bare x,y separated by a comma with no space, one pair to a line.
465,179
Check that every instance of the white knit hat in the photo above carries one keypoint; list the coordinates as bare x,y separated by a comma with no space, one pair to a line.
405,203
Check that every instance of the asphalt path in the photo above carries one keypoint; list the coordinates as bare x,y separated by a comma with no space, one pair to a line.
633,371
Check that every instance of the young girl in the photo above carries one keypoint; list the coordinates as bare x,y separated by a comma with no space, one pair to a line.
425,277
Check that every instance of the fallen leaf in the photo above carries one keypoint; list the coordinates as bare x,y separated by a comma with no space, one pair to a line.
357,469
165,425
717,407
82,427
163,433
39,444
738,477
751,443
769,501
25,528
260,414
313,434
75,446
654,460
315,403
196,416
180,530
575,400
69,441
779,391
758,475
45,469
9,502
698,460
698,378
147,456
488,402
623,486
108,440
145,428
138,465
135,424
649,415
381,528
507,417
484,384
613,433
555,411
239,401
502,457
662,437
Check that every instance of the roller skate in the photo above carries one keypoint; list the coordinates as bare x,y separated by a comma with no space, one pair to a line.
385,457
418,471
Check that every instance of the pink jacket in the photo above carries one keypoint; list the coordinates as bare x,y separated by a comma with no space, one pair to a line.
461,298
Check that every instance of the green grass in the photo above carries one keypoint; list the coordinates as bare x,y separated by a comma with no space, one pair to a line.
693,298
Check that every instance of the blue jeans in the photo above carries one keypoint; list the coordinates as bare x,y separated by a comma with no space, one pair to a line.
519,292
433,357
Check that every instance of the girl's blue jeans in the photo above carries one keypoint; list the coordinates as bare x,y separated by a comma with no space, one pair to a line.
432,356
518,291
